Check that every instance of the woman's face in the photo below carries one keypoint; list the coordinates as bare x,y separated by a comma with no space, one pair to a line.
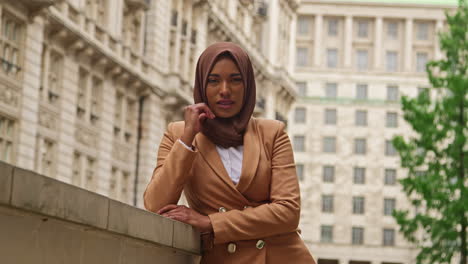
225,88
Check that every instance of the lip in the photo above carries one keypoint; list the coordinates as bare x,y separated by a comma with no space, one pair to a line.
225,104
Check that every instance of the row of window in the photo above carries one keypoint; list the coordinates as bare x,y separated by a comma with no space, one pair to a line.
330,117
362,28
359,174
329,145
358,204
393,63
357,235
330,91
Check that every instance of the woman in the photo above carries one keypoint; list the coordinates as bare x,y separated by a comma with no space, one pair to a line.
237,172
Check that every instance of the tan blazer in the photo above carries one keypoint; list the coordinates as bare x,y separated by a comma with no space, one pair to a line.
254,221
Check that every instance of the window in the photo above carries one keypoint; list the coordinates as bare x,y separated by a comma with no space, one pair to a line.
358,205
392,119
359,175
330,116
303,26
362,60
300,115
326,234
332,58
422,90
332,27
328,173
119,185
392,30
391,61
389,206
327,203
7,132
361,118
125,187
11,50
45,156
301,57
389,148
76,169
84,171
124,118
299,143
300,171
301,88
329,144
331,90
392,93
101,15
51,78
357,235
422,31
90,174
363,29
89,97
388,237
174,18
390,177
421,61
361,91
360,146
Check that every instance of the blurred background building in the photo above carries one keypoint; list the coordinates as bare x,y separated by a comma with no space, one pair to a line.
87,88
354,59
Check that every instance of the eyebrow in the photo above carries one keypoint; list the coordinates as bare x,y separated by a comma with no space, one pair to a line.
217,75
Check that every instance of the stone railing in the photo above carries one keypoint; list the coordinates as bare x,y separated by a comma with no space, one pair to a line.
43,220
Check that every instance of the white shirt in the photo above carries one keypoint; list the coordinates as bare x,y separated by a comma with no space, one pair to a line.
231,158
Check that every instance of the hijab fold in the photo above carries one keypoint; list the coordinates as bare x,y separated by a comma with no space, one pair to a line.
226,132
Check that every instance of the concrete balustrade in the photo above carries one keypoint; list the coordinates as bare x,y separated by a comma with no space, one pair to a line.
43,220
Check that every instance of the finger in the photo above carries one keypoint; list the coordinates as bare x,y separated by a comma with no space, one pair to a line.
202,117
203,107
167,208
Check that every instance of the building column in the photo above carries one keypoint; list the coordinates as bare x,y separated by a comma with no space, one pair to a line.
153,128
270,100
292,44
378,43
273,31
438,29
348,41
318,39
408,44
28,117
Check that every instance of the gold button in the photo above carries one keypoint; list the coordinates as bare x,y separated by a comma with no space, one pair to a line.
222,209
245,207
260,244
231,248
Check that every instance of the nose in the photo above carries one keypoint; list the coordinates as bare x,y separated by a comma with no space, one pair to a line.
224,90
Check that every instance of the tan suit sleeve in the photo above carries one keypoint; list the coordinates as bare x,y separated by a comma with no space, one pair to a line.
170,175
279,216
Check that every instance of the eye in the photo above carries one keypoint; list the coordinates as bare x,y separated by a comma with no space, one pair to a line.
237,79
210,80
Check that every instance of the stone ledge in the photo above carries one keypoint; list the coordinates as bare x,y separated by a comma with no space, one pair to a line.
35,193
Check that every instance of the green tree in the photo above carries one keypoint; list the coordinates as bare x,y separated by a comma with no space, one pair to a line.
436,155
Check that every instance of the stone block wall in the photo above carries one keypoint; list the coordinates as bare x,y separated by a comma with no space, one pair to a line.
43,220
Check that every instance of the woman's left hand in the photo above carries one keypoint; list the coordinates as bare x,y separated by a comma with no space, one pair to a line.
187,215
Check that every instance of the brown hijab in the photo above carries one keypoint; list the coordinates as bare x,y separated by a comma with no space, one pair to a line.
226,132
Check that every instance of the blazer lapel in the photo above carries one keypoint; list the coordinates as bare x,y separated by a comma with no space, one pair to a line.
210,154
251,156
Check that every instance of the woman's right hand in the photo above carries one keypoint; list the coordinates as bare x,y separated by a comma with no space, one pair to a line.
194,116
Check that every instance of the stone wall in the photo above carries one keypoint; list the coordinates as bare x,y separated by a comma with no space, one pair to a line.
43,220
